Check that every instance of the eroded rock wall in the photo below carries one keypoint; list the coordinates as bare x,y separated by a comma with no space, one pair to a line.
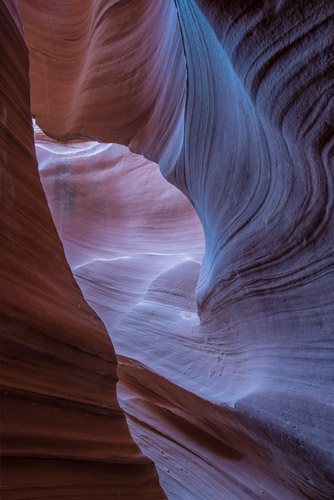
63,434
241,396
262,183
105,72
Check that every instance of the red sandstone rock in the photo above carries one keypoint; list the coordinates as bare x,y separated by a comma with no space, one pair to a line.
108,69
63,434
237,402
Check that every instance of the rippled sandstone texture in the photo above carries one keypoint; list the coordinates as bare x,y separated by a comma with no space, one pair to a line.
237,110
88,82
63,434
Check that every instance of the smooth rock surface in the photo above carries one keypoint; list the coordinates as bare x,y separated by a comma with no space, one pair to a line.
109,69
63,434
237,400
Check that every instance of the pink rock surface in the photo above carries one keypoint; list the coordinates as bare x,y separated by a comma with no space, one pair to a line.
229,387
86,82
171,371
63,434
109,203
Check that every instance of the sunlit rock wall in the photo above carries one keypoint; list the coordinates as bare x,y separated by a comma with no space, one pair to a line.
63,434
237,401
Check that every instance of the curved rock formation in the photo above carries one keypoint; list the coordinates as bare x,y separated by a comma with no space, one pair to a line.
103,70
63,434
234,101
109,203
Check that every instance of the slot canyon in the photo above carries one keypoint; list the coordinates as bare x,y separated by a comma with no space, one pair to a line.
167,258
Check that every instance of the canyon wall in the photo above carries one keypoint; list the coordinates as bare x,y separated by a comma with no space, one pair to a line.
63,434
112,70
227,383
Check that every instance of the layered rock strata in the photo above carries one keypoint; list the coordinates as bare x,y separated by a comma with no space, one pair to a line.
63,434
237,400
112,70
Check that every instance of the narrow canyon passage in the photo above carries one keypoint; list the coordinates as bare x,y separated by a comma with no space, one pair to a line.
186,151
134,244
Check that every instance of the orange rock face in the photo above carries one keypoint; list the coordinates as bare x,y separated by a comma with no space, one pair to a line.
226,363
63,432
110,70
